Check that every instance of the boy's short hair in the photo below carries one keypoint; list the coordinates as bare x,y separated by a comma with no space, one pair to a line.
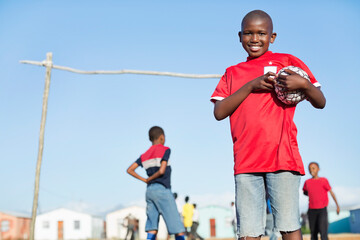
315,164
257,14
155,132
187,198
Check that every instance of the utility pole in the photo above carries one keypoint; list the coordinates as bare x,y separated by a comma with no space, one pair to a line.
48,65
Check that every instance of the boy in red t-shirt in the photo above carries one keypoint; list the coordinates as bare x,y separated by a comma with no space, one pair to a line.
317,189
264,135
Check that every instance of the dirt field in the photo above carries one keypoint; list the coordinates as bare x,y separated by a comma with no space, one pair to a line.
347,236
344,236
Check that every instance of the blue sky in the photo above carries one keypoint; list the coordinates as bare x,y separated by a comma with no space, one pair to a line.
97,124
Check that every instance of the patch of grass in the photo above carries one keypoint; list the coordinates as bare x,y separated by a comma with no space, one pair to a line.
305,230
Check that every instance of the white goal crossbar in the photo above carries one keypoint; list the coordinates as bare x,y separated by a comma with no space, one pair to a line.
124,71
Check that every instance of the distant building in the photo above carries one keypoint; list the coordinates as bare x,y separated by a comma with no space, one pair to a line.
65,224
339,223
355,220
348,221
14,226
215,222
116,223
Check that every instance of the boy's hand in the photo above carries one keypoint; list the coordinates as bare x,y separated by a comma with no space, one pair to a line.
264,82
291,82
227,106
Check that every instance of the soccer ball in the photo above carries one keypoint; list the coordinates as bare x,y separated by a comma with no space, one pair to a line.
291,97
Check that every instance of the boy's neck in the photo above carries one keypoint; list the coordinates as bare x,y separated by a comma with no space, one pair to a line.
315,177
157,142
250,58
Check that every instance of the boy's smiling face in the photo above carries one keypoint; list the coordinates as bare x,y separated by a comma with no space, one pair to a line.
314,169
256,35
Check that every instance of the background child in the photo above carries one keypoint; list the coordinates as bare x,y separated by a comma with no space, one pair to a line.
317,189
159,198
263,131
187,213
195,224
233,221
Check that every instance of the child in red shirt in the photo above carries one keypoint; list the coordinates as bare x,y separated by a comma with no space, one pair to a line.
317,189
264,135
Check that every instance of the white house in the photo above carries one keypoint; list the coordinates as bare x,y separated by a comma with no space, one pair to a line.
67,224
216,222
115,223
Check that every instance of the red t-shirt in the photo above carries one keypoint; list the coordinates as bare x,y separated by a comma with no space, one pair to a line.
317,190
151,161
262,127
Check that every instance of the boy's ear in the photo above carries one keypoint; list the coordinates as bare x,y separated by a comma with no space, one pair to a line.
240,36
272,38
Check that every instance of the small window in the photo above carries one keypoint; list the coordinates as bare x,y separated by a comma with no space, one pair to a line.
352,217
46,224
77,224
5,226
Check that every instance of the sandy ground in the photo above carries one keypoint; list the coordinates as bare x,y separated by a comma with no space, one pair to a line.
343,236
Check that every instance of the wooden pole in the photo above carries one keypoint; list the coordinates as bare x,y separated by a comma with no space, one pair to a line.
48,65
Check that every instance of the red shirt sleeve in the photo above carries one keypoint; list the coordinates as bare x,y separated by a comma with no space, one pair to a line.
294,61
221,90
327,185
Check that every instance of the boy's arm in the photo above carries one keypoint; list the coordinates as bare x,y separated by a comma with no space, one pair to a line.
337,205
315,96
131,171
160,172
227,106
305,191
294,81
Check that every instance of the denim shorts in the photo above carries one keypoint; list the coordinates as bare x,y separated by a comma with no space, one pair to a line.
160,201
283,190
